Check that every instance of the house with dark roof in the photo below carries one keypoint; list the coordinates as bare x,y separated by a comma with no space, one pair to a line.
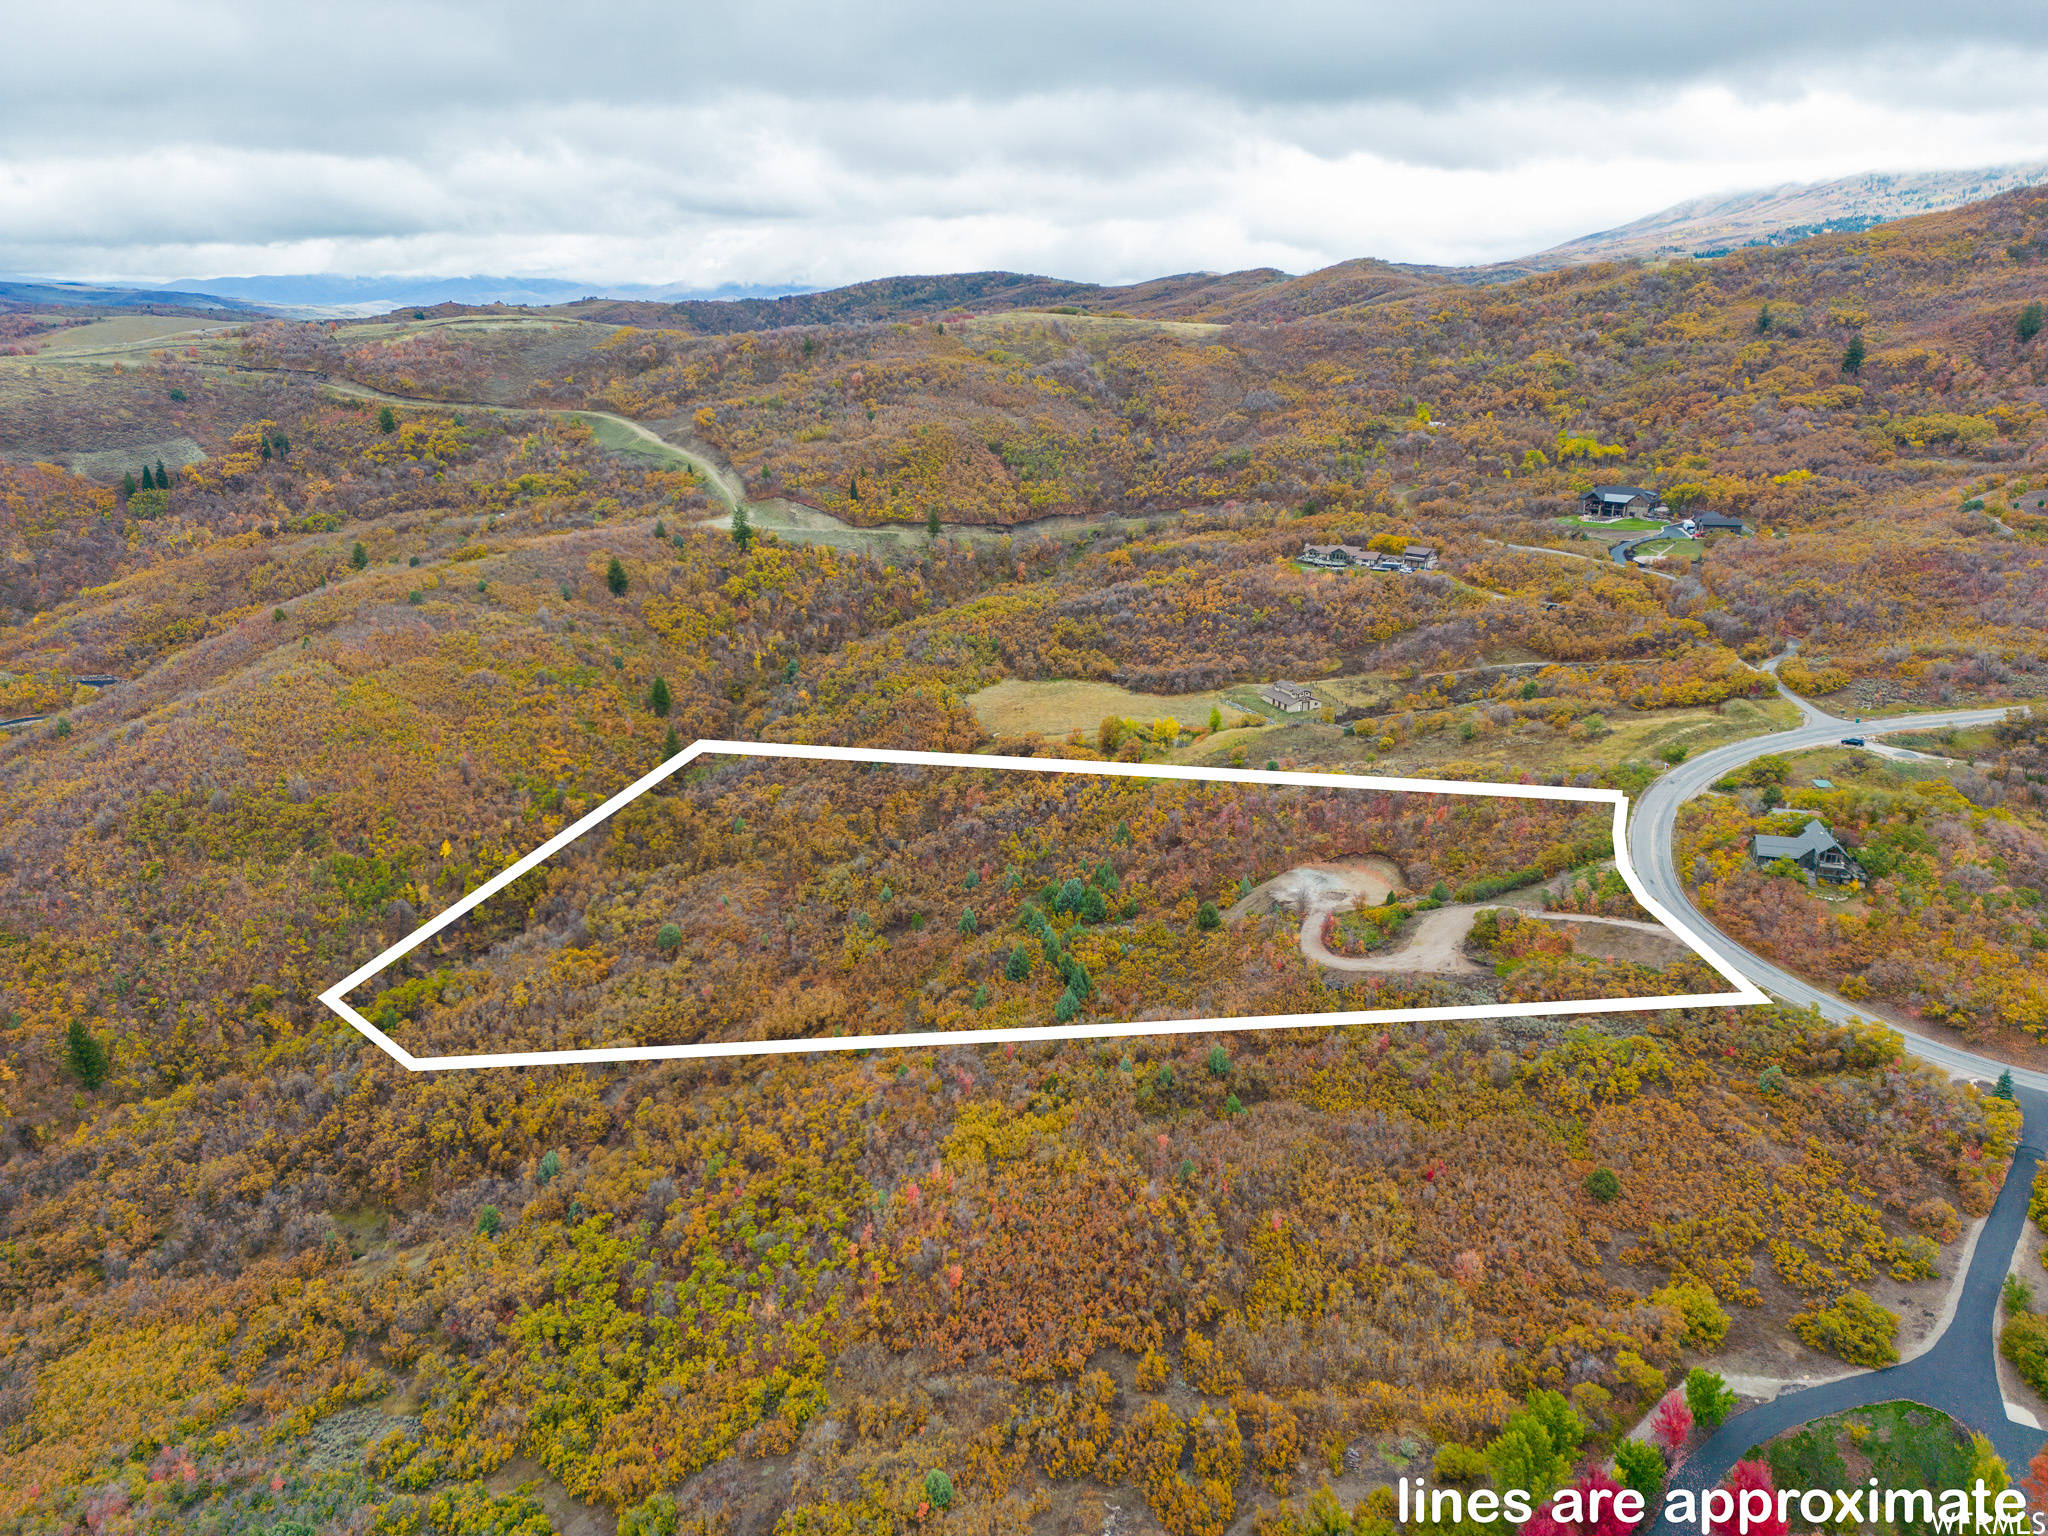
1704,523
1418,557
1619,501
1338,556
1813,850
1290,698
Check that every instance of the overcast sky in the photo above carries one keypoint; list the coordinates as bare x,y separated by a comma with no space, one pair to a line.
795,141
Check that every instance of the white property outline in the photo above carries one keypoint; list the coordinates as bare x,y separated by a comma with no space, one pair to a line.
1746,992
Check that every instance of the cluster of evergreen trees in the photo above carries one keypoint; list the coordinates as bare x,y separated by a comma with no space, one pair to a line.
159,481
1089,901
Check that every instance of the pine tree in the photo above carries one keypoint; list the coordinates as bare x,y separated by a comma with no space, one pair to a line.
386,422
615,577
671,744
358,557
931,522
2029,322
1763,320
1018,966
742,530
266,450
853,487
163,481
2004,1088
658,698
127,486
84,1055
1852,359
660,529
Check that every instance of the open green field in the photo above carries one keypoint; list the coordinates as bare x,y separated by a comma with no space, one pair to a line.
1505,754
1620,525
1014,708
620,438
1845,766
1106,328
130,330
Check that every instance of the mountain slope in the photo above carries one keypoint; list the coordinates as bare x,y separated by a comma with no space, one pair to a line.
1792,211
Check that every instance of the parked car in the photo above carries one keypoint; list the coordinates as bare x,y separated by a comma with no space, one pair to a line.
1852,741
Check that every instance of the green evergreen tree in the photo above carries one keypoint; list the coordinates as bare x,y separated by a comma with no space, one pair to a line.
85,1055
660,530
550,1165
1093,908
1018,966
969,923
127,486
1207,917
266,450
2004,1088
1852,359
358,557
853,487
671,744
2029,325
163,481
1763,320
742,530
615,577
488,1221
659,698
931,522
386,422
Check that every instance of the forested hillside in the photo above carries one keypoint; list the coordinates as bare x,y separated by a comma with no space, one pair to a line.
409,604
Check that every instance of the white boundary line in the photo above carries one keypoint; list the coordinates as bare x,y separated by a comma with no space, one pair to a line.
1746,992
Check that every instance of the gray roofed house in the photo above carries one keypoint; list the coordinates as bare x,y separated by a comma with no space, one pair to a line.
1618,501
1290,698
1334,554
1814,850
1718,522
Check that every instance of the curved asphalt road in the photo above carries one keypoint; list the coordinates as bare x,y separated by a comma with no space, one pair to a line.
1958,1374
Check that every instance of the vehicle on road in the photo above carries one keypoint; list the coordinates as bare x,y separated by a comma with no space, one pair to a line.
1853,741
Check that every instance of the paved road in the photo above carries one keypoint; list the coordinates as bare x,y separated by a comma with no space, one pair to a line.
1959,1373
1653,821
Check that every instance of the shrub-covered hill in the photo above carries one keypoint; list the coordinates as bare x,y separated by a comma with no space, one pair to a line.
253,1278
1785,384
300,1285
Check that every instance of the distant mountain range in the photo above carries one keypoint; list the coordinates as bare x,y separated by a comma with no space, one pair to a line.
1701,227
1712,226
37,292
338,294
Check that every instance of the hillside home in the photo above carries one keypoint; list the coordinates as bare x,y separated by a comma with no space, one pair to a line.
1290,698
1337,556
1611,501
1340,557
1704,523
1813,850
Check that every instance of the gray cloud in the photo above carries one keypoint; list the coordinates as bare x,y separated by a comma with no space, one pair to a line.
825,142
